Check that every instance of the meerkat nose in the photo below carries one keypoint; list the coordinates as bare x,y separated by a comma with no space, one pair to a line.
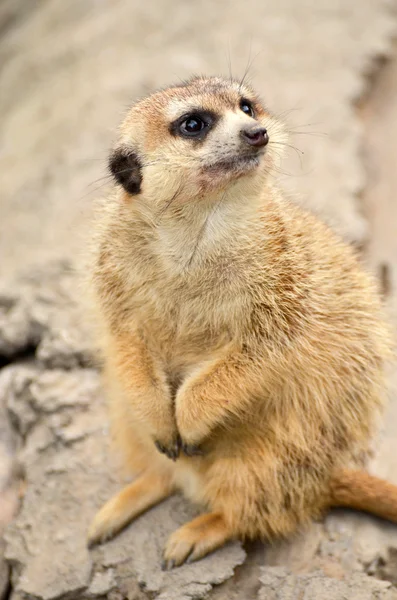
255,136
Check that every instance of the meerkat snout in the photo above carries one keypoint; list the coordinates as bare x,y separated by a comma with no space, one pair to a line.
255,136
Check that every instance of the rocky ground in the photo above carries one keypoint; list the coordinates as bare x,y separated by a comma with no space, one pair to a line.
67,72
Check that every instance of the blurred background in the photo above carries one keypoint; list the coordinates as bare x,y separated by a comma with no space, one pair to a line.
69,70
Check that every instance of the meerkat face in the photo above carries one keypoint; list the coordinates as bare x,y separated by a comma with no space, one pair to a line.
196,138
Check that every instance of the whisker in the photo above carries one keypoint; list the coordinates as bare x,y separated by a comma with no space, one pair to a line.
286,112
251,62
93,190
246,68
168,204
108,177
229,61
285,173
183,81
156,162
279,171
313,133
288,145
297,151
104,159
308,124
294,129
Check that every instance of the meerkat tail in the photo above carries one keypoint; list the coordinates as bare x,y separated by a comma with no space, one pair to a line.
362,491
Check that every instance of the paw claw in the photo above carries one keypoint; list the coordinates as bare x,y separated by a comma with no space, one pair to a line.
167,565
191,449
172,451
91,543
100,531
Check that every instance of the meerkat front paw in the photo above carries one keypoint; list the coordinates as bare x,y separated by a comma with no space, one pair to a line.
170,449
178,445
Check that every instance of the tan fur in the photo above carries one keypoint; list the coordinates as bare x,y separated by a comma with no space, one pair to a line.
359,490
233,322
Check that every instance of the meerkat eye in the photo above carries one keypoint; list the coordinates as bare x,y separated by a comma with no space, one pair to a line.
247,107
192,126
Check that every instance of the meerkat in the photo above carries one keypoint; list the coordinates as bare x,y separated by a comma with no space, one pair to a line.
243,344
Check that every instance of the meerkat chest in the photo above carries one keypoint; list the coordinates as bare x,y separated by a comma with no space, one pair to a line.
188,314
193,307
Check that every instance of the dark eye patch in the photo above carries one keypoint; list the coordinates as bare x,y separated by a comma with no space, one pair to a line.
194,125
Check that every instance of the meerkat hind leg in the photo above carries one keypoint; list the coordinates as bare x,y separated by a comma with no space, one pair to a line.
137,497
195,539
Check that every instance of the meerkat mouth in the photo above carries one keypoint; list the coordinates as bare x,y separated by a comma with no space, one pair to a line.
236,164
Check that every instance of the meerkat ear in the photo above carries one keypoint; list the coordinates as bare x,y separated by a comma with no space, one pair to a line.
126,168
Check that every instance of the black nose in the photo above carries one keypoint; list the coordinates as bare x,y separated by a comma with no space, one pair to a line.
255,136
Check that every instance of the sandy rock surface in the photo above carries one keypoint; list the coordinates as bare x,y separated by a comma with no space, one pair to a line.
277,583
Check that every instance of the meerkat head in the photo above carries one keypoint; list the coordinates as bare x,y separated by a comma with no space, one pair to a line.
195,139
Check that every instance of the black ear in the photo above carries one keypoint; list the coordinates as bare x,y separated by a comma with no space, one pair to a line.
126,168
